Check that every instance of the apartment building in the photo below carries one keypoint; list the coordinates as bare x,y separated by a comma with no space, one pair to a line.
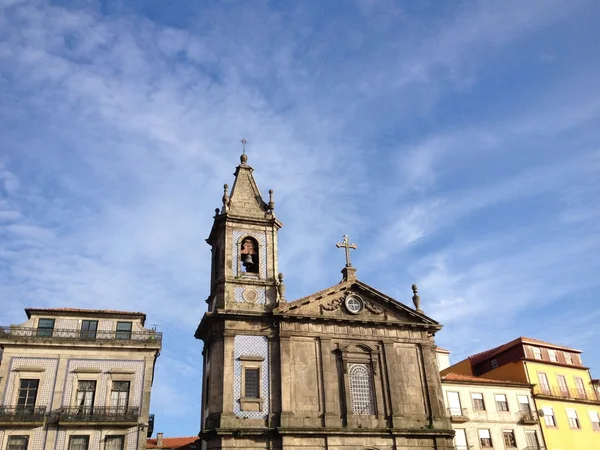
76,379
491,413
563,392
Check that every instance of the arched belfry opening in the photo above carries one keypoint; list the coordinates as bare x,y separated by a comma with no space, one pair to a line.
249,255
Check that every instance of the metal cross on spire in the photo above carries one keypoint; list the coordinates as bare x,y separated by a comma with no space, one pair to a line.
347,246
244,142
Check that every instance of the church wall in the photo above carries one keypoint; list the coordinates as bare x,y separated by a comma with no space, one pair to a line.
305,379
251,346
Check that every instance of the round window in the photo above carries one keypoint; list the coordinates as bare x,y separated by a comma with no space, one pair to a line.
354,304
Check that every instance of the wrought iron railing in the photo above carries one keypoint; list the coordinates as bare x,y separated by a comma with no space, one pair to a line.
528,417
22,414
565,392
458,414
98,414
17,332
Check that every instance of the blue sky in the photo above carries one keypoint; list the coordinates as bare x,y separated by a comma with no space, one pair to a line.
457,143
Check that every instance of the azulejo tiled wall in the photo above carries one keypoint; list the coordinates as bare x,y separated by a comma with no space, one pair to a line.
96,438
105,365
242,294
251,346
46,392
261,238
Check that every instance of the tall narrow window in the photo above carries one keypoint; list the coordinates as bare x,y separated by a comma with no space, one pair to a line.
251,382
28,390
88,329
581,393
524,403
595,419
549,418
86,390
79,442
573,419
544,385
454,405
119,396
460,439
509,438
17,443
123,330
361,391
45,327
501,402
114,442
568,358
562,385
478,404
537,352
552,355
485,439
532,439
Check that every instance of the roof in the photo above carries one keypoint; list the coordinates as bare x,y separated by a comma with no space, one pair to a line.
482,356
478,380
174,442
442,350
80,311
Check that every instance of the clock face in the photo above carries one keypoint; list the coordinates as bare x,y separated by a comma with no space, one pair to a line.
354,304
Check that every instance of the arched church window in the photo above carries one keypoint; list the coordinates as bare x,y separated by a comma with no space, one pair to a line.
249,255
361,389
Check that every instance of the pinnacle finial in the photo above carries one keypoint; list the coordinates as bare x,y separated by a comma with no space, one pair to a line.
271,202
225,198
244,157
416,299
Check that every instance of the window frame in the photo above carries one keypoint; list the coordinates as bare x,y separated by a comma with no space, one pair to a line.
461,446
85,408
474,404
554,423
552,355
119,334
511,435
499,403
79,436
27,404
595,423
537,351
88,333
573,419
45,331
545,388
14,446
494,363
483,444
563,386
580,387
251,404
114,436
355,396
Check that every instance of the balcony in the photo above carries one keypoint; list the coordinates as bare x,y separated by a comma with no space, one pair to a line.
528,418
104,415
458,415
130,337
535,447
20,415
557,392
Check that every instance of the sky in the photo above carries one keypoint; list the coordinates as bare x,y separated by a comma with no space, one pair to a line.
456,143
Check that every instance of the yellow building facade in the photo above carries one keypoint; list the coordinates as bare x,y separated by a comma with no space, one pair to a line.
565,397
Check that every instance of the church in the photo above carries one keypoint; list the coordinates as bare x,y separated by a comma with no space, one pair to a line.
345,368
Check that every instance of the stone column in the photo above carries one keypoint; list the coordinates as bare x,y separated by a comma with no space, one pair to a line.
330,379
285,354
398,407
228,367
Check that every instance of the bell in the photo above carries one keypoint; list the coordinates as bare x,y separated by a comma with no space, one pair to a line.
247,260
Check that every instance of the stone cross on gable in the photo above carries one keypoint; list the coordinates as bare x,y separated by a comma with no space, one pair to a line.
347,246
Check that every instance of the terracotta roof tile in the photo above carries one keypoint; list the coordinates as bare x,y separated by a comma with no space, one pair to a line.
174,442
472,379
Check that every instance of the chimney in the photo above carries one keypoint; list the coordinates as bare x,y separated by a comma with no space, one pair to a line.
159,440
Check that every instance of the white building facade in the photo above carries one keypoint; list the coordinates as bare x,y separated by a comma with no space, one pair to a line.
74,379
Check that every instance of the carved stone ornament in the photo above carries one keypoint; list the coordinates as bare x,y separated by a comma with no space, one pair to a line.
373,308
250,295
333,304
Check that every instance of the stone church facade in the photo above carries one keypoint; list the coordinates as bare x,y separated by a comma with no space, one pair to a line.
345,368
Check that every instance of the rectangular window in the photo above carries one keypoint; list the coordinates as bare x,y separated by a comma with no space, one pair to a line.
494,363
532,439
86,390
552,355
17,443
361,389
568,358
45,327
537,352
501,402
478,404
524,403
485,439
549,418
460,439
595,419
455,407
114,443
573,419
88,329
580,387
562,385
123,330
79,442
509,438
544,385
251,383
119,396
28,390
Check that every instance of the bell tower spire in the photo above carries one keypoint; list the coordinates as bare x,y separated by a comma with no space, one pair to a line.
244,246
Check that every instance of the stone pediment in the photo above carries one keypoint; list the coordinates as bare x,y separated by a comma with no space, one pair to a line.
357,302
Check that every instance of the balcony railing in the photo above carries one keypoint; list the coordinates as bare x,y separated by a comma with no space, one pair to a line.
458,415
528,417
566,393
16,332
98,414
535,447
22,414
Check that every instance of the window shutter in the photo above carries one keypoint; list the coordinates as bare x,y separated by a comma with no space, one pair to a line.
484,434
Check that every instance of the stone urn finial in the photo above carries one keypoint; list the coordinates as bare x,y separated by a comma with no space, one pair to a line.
280,286
271,205
416,299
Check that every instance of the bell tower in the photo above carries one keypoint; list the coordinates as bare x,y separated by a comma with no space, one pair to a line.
244,247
